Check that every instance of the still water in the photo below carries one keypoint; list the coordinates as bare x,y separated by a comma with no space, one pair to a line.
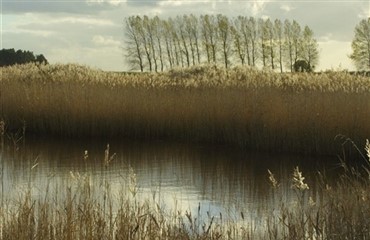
180,177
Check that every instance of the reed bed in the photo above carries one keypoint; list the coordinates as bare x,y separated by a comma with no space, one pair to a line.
250,108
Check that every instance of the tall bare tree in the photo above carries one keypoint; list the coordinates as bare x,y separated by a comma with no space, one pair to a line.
223,26
178,59
180,23
309,45
209,33
271,42
279,36
297,40
289,45
149,35
361,45
158,32
195,35
237,31
167,36
191,29
134,51
264,41
253,32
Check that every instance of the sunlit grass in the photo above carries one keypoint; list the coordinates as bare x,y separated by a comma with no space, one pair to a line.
241,106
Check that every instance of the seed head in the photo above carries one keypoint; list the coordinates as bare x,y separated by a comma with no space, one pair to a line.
272,179
298,180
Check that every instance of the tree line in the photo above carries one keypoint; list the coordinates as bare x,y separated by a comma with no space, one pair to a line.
10,57
155,44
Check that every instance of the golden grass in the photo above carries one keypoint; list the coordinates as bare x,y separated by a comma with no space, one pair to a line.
242,106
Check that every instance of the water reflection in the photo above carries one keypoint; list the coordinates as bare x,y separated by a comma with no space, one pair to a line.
181,177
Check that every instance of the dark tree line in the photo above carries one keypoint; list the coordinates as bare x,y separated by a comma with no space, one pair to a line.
154,44
10,57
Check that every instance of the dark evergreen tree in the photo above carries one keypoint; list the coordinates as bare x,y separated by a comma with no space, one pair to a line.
10,57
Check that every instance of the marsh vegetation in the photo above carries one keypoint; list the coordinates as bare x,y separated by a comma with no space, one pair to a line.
254,109
99,193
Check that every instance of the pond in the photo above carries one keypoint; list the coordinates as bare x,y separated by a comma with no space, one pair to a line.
202,179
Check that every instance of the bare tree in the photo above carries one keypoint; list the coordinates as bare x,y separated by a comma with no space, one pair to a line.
278,28
191,33
209,32
176,44
195,35
149,33
144,41
134,51
361,45
289,44
271,42
205,37
167,35
297,40
309,52
264,41
252,27
180,26
237,30
223,26
158,32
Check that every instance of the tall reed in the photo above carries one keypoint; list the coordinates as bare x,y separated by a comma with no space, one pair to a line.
339,211
241,106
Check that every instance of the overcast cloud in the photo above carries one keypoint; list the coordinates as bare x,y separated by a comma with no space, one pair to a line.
91,31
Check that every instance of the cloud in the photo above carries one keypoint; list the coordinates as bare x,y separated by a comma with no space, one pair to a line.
57,6
150,3
81,20
286,8
365,12
111,2
257,7
39,33
100,40
174,3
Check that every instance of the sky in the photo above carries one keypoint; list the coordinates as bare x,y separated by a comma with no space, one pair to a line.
91,32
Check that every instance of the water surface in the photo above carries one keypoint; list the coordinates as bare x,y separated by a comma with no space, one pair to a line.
180,177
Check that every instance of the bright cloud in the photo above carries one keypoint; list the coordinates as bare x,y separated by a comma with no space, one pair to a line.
111,2
105,41
40,33
257,7
365,13
286,8
82,20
